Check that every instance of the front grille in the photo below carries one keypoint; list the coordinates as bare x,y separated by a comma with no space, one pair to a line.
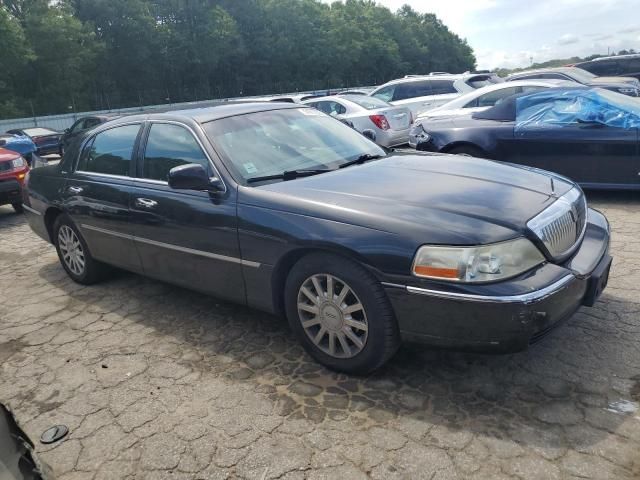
560,227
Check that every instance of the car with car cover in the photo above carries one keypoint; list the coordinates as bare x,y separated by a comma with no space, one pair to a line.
589,135
282,208
47,141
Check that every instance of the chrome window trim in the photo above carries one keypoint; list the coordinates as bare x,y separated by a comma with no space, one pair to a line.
74,168
529,297
202,147
29,209
170,246
105,175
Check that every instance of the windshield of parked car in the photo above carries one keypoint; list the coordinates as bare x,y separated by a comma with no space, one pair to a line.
370,103
272,142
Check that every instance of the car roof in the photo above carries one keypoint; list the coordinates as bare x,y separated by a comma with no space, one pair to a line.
210,112
612,57
543,70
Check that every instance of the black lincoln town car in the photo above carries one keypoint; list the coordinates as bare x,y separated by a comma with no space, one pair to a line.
285,209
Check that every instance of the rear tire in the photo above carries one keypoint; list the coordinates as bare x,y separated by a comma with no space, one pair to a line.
74,254
468,151
17,207
348,325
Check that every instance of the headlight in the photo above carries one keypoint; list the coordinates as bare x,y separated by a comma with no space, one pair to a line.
484,263
18,163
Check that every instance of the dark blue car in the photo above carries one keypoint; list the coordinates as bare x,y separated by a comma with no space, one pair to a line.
590,135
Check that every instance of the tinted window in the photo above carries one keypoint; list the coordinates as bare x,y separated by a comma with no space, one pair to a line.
170,146
491,98
442,87
111,151
385,94
78,126
330,108
604,68
412,90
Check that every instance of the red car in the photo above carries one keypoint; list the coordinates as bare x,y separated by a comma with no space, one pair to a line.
13,169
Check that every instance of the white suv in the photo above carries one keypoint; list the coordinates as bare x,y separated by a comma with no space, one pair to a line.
422,93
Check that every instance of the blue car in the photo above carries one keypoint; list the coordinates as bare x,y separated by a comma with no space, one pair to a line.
20,144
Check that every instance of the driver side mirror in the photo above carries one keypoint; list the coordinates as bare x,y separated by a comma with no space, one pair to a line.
193,176
67,130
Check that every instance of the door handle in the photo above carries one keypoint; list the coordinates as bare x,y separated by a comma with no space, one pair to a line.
145,203
75,190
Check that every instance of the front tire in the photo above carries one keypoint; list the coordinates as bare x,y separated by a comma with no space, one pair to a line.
341,314
74,254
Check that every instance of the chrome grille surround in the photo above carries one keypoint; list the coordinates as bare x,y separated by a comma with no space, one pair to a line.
561,226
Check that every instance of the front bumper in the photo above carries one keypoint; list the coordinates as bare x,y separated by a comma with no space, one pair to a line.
506,316
10,191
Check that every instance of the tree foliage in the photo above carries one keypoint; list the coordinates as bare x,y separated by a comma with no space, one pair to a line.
94,54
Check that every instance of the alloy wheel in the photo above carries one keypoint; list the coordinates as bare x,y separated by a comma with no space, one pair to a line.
332,316
71,249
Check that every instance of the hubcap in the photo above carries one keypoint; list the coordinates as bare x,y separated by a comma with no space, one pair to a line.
71,250
332,316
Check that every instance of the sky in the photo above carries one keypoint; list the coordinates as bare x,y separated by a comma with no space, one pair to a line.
508,33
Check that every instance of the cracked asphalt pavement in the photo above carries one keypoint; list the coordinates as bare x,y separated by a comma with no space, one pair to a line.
157,382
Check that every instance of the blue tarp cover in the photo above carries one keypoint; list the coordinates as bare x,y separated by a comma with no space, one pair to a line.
554,109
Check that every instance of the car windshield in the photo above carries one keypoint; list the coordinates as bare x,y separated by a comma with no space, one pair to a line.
582,76
272,142
370,103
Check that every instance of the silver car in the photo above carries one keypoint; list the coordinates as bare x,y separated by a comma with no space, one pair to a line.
486,97
421,93
390,125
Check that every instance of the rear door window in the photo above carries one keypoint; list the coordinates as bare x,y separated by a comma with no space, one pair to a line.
170,146
409,90
442,87
110,152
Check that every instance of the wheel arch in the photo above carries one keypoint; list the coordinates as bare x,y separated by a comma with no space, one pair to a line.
453,145
284,265
50,216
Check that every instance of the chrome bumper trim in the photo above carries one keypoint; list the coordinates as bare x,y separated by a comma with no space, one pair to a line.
169,246
29,209
525,298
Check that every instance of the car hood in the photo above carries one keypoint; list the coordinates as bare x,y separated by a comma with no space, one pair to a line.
438,199
8,155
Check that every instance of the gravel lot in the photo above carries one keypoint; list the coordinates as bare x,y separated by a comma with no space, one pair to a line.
159,382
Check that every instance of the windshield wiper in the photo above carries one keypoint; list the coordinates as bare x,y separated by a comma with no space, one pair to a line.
289,175
360,160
